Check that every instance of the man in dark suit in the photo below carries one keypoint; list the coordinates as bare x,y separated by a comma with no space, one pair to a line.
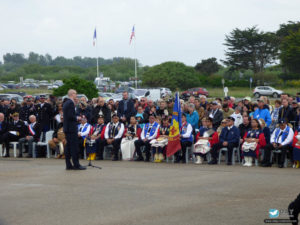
126,108
3,127
44,114
285,112
33,134
216,115
27,110
101,110
229,138
70,130
16,130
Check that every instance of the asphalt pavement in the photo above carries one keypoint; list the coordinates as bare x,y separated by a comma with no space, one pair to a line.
42,192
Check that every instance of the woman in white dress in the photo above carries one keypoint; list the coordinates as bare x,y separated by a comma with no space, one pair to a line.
132,134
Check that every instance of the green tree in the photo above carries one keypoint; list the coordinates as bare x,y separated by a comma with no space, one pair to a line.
250,49
285,29
172,75
290,52
208,66
82,86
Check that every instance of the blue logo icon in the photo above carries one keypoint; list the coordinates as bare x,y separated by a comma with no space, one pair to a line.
273,213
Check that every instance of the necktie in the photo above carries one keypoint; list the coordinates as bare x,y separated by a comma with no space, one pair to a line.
113,130
150,127
279,136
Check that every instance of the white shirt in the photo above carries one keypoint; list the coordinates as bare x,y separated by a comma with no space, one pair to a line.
85,133
148,133
188,132
238,119
120,133
287,141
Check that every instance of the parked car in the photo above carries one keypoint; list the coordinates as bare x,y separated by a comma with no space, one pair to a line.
266,91
12,86
194,92
51,87
18,98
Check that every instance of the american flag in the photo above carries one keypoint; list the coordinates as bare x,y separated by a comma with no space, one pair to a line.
94,37
132,35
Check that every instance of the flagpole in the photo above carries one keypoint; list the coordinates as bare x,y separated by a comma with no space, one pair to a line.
135,72
97,55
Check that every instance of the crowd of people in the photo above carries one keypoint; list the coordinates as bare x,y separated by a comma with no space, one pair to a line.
138,129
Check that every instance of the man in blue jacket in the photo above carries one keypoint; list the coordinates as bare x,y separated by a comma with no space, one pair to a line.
262,113
229,138
126,108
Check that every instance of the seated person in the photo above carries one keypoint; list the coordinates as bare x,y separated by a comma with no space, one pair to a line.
159,144
113,135
281,139
205,138
229,138
220,128
58,139
16,130
254,139
296,149
132,133
32,135
186,139
96,139
83,131
149,132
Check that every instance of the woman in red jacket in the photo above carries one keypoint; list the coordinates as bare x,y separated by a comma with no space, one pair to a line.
254,139
205,139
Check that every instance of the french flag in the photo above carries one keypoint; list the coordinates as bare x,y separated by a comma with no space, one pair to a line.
94,37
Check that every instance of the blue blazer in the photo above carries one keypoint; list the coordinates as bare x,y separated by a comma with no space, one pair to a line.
231,136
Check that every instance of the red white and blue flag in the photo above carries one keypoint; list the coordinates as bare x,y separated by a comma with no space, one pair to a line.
94,37
132,35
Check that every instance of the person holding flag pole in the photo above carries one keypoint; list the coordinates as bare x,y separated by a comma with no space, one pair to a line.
174,134
135,69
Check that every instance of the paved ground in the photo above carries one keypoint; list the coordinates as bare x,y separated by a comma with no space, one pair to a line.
41,192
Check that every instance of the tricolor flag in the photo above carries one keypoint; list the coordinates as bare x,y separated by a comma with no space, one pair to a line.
174,136
94,37
132,35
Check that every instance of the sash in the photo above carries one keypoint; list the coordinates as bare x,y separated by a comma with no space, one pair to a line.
284,134
31,130
153,129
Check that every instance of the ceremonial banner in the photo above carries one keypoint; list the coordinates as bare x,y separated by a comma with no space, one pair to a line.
174,136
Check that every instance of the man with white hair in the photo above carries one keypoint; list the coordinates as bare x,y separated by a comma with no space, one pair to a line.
203,101
32,135
71,132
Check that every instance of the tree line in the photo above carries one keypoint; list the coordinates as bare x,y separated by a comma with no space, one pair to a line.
264,56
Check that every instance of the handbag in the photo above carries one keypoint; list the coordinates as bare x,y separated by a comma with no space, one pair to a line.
249,146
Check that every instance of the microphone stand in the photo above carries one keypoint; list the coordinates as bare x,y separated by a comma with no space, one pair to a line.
90,161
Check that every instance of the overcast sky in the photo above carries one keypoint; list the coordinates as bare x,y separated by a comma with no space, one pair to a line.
166,30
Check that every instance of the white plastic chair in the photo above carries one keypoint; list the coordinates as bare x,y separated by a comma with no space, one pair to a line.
14,144
2,153
40,143
278,152
235,150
